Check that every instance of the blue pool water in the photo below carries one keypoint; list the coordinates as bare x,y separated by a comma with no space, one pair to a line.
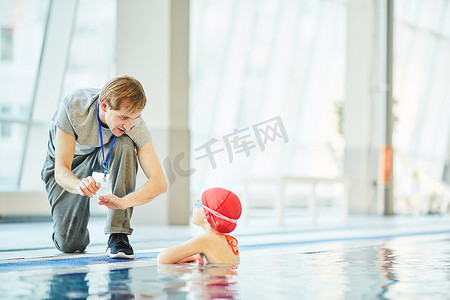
409,267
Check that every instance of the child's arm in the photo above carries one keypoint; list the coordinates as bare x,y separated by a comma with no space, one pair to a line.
178,253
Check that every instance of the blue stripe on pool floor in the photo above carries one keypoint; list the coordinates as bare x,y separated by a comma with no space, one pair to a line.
69,262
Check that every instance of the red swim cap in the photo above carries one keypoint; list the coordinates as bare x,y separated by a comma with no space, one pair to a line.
222,209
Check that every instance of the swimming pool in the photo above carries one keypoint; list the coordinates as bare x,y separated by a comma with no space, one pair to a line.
401,267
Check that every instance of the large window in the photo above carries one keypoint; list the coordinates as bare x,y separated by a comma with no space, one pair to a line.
23,35
92,51
421,93
22,26
256,63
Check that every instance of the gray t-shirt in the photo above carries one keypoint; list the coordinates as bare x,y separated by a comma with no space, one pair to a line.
77,116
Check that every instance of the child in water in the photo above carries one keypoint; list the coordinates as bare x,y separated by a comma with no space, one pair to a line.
217,213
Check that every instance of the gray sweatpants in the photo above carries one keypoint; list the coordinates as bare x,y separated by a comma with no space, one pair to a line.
70,212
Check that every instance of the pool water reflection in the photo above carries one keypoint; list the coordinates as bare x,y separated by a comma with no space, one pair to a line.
180,281
406,268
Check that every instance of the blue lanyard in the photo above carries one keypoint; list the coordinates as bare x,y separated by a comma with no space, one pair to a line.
105,164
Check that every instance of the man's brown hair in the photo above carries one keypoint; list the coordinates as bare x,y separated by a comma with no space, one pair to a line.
124,90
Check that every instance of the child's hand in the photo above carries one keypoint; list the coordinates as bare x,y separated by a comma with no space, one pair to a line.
189,259
112,201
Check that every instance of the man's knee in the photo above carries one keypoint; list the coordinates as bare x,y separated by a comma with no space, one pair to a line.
124,152
124,143
69,244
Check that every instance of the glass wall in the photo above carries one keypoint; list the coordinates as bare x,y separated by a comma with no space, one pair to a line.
22,37
252,61
22,25
91,56
422,102
267,85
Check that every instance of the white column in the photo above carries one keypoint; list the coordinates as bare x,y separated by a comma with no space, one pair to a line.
360,108
153,45
385,168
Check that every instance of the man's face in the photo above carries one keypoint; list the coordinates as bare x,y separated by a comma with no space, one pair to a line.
120,120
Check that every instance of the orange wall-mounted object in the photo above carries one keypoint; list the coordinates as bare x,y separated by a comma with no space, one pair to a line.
385,163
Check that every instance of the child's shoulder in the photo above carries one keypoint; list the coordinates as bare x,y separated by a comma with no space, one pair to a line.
206,238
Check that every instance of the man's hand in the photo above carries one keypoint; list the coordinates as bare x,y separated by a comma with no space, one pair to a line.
88,187
113,202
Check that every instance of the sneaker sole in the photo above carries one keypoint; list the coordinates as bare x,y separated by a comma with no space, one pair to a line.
121,255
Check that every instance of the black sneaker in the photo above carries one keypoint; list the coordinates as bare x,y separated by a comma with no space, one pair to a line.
119,247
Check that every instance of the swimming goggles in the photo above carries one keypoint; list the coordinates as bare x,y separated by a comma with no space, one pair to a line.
198,203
